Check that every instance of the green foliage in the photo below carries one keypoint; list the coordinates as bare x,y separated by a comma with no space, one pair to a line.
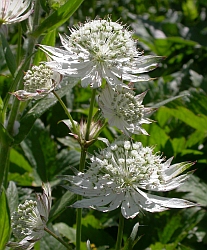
4,220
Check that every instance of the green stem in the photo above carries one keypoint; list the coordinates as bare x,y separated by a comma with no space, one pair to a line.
66,111
120,232
81,168
58,238
79,197
90,115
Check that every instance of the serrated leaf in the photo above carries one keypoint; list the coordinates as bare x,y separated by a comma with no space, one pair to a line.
197,193
195,121
4,221
57,18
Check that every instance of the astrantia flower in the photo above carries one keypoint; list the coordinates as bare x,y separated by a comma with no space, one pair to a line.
38,82
100,49
30,219
124,110
122,174
11,11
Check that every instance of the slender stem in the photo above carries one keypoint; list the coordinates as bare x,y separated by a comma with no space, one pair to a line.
90,115
81,168
66,111
120,232
57,238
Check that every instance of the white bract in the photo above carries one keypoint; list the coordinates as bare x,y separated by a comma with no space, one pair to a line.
124,110
121,175
12,11
30,219
100,49
38,82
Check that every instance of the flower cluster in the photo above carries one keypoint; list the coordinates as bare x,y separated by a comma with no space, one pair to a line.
100,49
11,11
38,82
124,110
121,174
30,219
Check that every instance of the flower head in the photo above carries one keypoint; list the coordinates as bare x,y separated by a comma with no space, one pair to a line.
124,110
30,219
100,49
38,82
11,11
121,175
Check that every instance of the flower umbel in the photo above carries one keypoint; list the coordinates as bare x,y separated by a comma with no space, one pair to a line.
11,11
30,219
124,110
38,82
121,174
100,49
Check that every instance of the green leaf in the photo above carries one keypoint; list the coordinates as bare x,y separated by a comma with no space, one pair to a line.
20,170
66,231
49,39
195,121
12,196
161,246
5,138
162,103
57,18
19,160
10,59
171,226
4,221
157,135
178,145
197,193
48,242
61,205
41,151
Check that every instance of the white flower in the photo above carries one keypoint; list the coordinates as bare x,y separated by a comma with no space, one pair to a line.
38,82
100,49
124,110
30,219
120,176
11,11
